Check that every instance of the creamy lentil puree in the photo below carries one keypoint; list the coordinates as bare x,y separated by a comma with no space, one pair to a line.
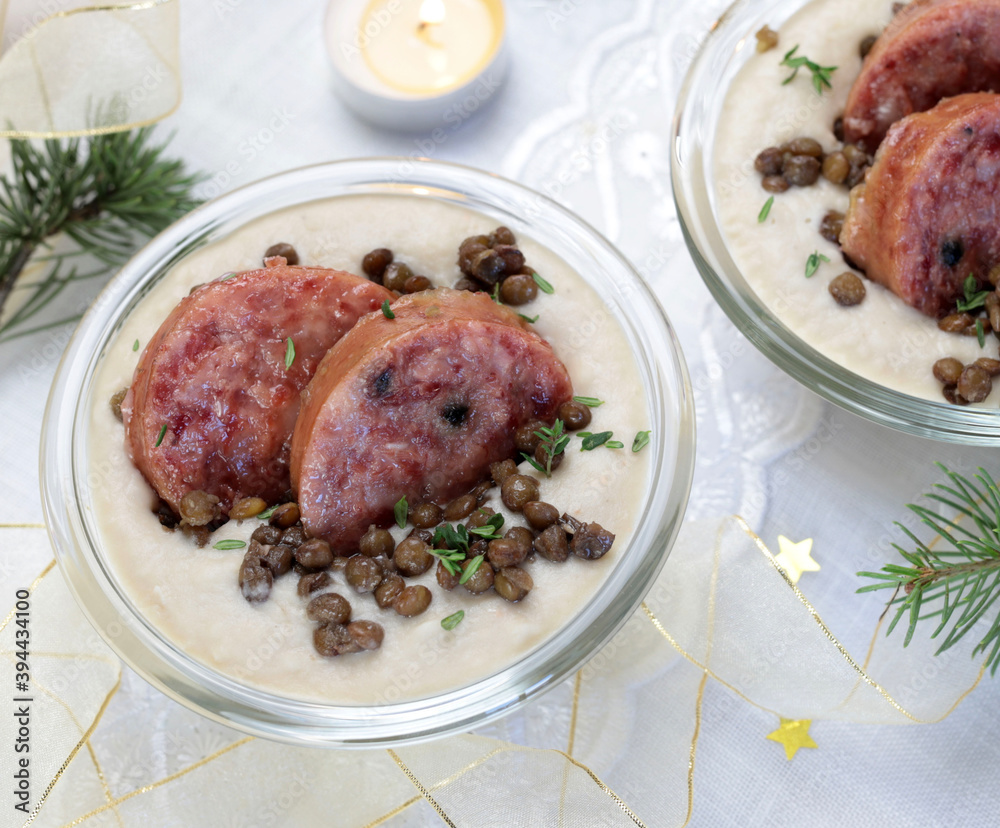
882,339
191,595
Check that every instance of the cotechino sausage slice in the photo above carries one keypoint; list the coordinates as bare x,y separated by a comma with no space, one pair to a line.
932,49
928,214
212,404
418,405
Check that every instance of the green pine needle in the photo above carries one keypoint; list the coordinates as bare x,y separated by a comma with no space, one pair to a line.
104,195
958,583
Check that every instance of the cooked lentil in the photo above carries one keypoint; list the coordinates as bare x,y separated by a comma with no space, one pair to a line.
363,573
948,370
314,554
366,634
517,490
413,600
847,289
330,608
375,263
512,583
376,542
286,251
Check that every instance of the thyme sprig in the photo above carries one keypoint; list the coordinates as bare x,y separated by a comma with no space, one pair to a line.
958,582
102,197
452,544
820,74
973,297
553,443
451,559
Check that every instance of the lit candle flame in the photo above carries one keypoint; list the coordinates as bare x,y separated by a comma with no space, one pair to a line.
431,13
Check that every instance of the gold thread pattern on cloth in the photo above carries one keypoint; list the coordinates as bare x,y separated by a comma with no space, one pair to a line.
31,588
826,631
130,53
704,648
167,779
574,712
423,791
85,740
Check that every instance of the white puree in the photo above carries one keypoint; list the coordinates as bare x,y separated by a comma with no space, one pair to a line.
191,595
882,339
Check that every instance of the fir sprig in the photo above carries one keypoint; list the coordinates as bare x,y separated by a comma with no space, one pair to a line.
104,196
959,583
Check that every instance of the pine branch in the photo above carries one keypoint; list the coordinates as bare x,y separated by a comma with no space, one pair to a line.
105,196
958,584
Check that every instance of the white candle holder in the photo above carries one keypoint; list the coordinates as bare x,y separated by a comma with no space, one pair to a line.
352,26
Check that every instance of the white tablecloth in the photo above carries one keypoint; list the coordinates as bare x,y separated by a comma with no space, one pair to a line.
258,100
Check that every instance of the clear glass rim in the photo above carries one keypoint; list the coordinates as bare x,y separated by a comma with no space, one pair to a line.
159,661
695,115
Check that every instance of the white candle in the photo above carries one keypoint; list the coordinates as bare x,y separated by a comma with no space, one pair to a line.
416,64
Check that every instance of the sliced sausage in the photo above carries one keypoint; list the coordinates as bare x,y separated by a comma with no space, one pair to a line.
212,388
928,213
932,49
418,405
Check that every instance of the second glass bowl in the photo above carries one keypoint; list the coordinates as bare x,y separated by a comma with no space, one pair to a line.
726,49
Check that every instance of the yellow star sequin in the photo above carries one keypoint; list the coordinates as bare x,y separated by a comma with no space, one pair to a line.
793,734
795,558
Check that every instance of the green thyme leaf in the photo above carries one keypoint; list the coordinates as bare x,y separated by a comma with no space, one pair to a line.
229,544
974,298
592,441
135,345
969,286
491,529
289,353
812,263
765,211
531,319
535,464
980,333
820,74
450,559
400,511
614,444
266,514
641,441
470,570
387,311
590,402
544,286
495,295
453,620
163,430
453,538
227,277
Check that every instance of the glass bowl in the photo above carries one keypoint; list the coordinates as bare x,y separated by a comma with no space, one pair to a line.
82,554
725,50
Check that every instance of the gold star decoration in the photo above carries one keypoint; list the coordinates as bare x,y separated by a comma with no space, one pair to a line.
792,734
795,558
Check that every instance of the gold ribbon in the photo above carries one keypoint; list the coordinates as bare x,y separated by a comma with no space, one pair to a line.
88,69
491,768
